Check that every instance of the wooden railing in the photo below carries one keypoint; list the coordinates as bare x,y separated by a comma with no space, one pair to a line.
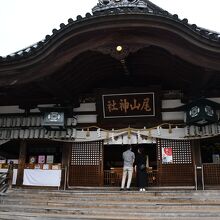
152,177
113,177
3,183
6,180
176,174
211,174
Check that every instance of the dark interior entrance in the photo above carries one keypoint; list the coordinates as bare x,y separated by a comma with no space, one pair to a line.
113,155
210,150
113,163
9,152
210,154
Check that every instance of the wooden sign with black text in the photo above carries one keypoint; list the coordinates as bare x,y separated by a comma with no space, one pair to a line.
128,105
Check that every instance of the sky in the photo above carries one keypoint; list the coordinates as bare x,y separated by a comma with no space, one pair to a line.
25,22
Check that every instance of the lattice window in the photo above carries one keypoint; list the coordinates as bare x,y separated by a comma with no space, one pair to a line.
86,164
87,153
181,150
179,172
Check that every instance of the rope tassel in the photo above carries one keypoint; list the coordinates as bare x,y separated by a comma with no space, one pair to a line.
129,133
170,129
87,132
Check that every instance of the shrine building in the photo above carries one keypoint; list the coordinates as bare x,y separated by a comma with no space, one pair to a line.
130,73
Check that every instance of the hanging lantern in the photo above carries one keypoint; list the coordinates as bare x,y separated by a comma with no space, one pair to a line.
55,118
200,112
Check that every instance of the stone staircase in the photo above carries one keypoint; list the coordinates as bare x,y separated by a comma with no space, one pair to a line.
109,203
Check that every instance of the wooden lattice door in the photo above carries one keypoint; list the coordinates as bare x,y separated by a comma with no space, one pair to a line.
86,164
179,172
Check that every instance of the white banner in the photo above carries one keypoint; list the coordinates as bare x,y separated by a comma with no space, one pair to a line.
35,177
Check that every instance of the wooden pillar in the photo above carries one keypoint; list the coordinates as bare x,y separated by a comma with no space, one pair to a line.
101,150
21,163
197,163
10,174
66,152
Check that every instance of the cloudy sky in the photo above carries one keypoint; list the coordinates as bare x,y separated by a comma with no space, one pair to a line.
24,22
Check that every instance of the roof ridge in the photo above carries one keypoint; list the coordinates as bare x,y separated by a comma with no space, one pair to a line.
153,6
105,5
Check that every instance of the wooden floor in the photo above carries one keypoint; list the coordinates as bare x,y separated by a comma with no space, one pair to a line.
38,204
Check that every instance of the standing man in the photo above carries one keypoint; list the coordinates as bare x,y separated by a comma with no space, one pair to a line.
128,157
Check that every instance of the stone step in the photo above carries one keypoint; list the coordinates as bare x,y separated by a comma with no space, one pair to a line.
57,208
97,204
136,197
109,214
36,216
113,189
115,201
115,193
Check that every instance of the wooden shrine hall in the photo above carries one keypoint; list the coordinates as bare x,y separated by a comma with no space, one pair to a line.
130,73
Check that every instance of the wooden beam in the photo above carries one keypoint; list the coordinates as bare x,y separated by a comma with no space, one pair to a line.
21,163
55,90
197,162
66,152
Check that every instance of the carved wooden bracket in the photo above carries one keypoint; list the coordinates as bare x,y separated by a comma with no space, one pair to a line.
120,51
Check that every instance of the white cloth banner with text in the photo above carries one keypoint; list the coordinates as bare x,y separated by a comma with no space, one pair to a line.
35,177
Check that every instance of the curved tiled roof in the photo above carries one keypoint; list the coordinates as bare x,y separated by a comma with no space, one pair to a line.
151,9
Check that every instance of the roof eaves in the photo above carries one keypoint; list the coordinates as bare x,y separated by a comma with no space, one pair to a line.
151,10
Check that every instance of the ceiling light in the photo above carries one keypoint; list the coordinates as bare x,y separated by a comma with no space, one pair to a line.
119,48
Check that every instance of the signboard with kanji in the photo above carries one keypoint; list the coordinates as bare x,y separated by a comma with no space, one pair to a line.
128,105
